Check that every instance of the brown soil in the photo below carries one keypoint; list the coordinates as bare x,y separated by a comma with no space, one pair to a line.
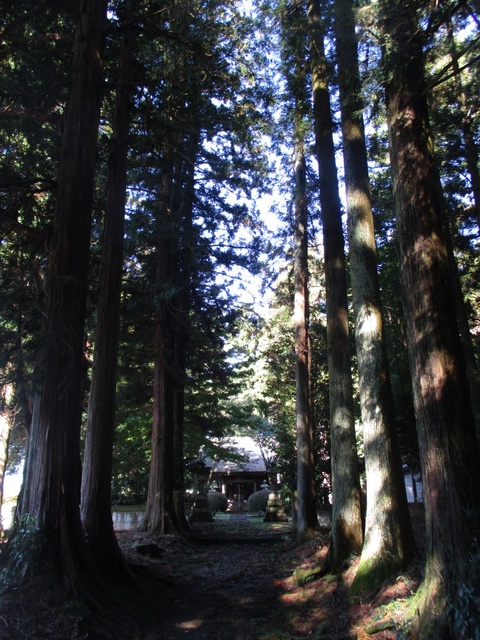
240,579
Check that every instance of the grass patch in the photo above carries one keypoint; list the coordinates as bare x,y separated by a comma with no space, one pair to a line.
371,573
304,576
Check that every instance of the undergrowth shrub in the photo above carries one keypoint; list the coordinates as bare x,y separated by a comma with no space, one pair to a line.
258,501
22,551
217,502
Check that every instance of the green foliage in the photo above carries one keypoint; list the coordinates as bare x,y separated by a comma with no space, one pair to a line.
203,74
36,57
258,501
23,550
131,457
217,502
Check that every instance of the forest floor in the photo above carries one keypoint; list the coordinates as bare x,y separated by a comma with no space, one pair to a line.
240,579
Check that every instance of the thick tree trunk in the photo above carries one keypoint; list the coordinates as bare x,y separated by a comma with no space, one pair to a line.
160,515
389,542
51,491
347,519
307,521
97,466
448,447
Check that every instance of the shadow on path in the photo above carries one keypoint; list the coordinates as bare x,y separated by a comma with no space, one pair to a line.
229,586
242,579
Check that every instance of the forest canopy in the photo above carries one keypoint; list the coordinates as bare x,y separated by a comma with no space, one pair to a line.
226,218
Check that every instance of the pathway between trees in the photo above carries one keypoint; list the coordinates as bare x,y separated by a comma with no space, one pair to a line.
241,579
246,581
228,588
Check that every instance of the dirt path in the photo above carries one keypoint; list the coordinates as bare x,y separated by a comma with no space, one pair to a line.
247,581
239,584
228,585
228,592
241,579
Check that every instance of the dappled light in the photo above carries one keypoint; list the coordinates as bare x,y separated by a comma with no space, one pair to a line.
239,320
245,579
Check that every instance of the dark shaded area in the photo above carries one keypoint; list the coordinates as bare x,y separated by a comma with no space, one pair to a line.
245,580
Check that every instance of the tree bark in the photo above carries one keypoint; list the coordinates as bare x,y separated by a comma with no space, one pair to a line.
347,518
97,466
182,307
307,521
389,542
51,490
160,514
164,510
448,446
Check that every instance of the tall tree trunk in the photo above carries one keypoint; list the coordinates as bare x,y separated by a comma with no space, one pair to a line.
307,521
164,511
448,447
160,516
97,466
389,542
293,54
182,311
347,518
51,491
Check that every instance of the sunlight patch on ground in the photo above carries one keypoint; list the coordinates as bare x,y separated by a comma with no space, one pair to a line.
189,625
298,597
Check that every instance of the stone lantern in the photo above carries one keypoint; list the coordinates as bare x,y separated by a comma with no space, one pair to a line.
201,509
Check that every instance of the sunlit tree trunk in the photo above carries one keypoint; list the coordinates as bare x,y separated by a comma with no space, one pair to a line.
347,519
389,542
51,491
448,447
297,89
96,477
307,521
